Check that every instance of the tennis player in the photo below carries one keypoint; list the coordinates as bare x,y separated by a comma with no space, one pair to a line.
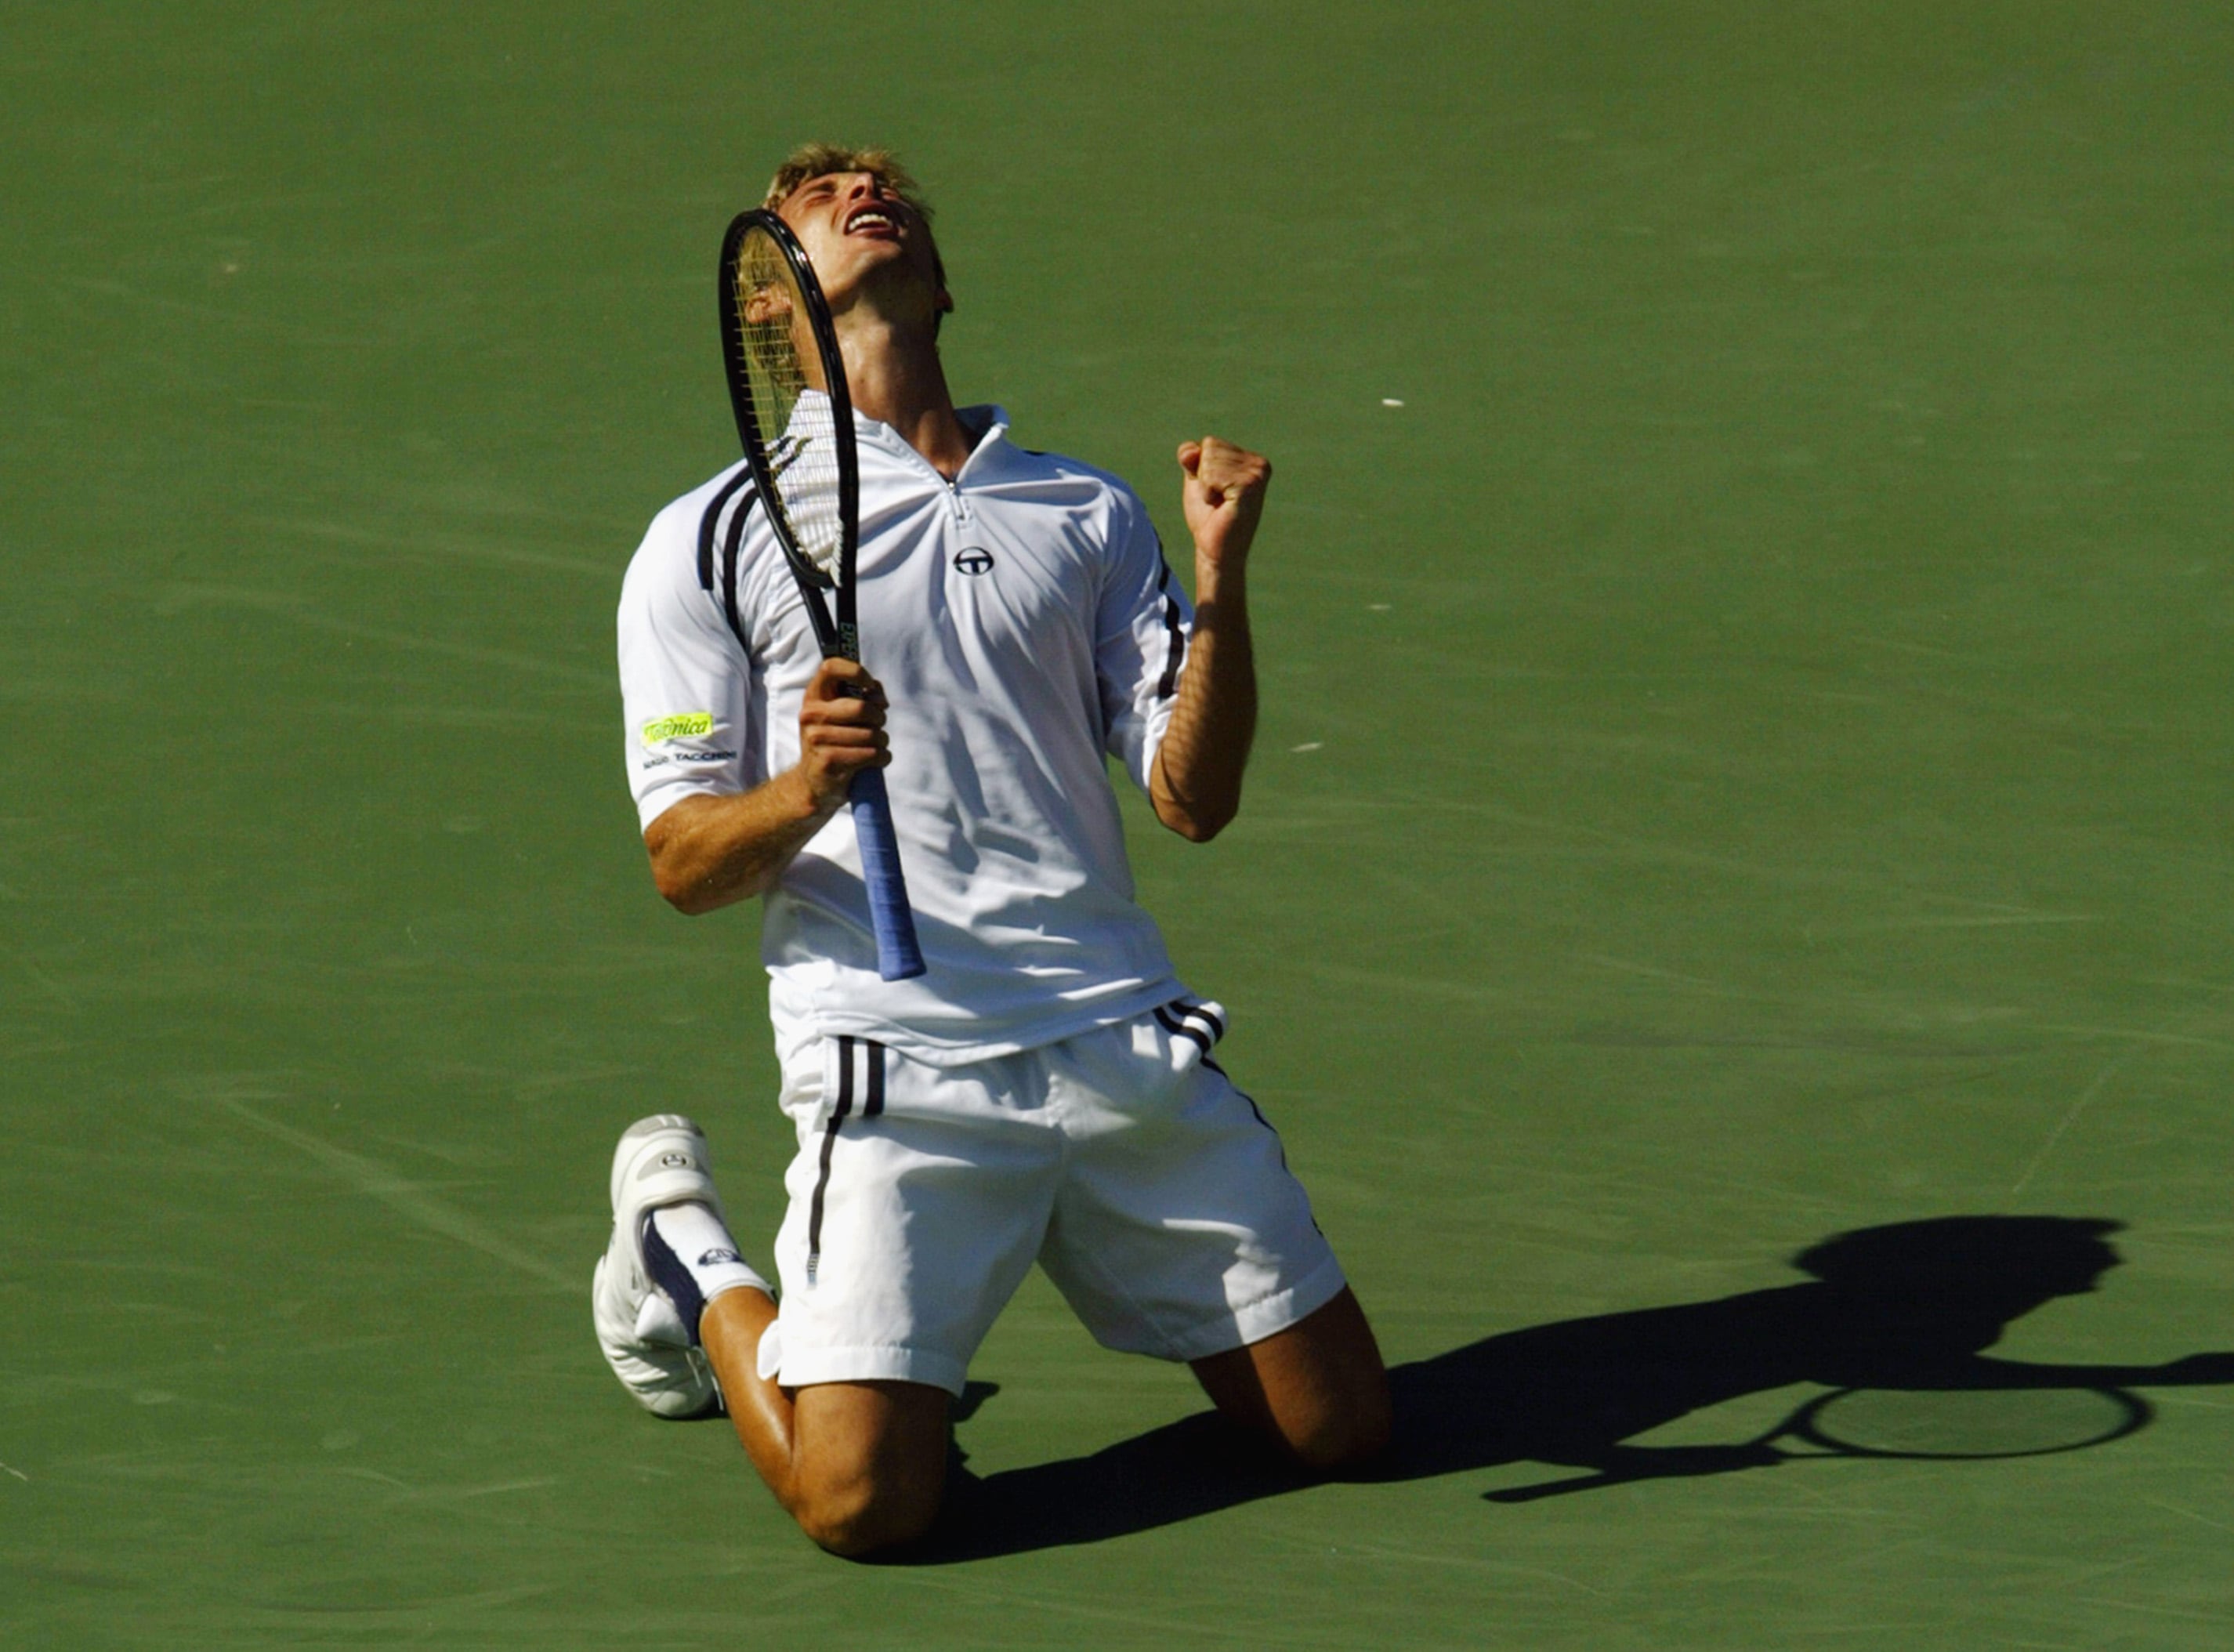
1046,1091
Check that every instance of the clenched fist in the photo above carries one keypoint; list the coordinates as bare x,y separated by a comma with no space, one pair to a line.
1224,492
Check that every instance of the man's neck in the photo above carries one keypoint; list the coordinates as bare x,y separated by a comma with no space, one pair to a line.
895,376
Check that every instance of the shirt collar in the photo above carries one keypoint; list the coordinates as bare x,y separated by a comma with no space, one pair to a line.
985,421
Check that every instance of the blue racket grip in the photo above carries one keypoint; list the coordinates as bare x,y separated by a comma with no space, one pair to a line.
898,954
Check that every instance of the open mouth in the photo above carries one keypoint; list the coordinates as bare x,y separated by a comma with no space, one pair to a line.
871,219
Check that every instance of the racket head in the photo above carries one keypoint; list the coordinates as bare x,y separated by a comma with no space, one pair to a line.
1966,1424
794,415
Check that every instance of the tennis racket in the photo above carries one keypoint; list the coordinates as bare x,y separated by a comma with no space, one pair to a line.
1935,1425
795,418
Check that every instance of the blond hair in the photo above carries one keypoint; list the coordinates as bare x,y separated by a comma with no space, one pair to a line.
819,160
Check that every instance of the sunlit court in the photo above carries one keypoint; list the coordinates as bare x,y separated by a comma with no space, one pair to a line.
1728,915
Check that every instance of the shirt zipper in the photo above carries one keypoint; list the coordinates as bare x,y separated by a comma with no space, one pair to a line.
954,500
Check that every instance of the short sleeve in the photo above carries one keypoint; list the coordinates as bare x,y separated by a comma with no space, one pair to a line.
686,683
1141,627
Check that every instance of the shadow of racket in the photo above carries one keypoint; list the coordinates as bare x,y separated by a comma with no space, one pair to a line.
1925,1424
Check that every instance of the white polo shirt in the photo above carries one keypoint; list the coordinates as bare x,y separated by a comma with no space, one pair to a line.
1024,624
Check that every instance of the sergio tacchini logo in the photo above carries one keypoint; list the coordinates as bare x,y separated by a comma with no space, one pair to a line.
973,561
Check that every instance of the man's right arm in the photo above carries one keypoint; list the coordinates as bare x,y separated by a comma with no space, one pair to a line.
710,851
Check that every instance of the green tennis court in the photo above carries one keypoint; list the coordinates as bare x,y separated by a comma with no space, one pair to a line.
1745,620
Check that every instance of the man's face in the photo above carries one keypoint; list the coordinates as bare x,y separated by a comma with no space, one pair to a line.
859,235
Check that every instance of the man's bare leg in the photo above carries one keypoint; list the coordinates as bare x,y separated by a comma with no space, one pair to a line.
1319,1387
861,1465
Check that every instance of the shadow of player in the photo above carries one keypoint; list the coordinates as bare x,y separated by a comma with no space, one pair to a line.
1909,1306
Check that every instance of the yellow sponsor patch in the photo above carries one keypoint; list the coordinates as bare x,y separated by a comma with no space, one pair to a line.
682,726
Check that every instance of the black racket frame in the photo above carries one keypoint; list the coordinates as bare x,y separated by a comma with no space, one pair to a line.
843,637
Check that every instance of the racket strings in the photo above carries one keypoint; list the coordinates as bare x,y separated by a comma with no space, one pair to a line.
783,372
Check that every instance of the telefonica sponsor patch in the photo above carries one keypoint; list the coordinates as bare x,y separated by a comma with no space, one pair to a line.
683,725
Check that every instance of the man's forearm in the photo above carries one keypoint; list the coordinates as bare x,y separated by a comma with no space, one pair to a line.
1196,784
711,852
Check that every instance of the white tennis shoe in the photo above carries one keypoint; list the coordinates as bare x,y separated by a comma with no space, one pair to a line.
660,1160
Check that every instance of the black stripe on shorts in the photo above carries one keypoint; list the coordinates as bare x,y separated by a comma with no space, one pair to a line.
874,1104
829,1146
1177,1028
1204,1030
1201,1013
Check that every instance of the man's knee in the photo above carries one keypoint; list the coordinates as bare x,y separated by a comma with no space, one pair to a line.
1319,1387
869,1466
865,1515
1345,1432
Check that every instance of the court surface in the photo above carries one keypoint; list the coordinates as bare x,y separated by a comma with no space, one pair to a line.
1745,622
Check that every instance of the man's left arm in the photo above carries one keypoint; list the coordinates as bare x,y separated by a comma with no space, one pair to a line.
1196,783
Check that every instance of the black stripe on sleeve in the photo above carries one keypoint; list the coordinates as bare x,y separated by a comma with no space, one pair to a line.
829,1146
730,547
1174,636
708,525
873,1105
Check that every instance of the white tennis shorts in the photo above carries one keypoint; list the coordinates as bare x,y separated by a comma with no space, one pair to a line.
1122,1161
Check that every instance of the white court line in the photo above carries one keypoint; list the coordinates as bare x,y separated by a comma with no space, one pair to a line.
2111,1069
408,1200
2143,1038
